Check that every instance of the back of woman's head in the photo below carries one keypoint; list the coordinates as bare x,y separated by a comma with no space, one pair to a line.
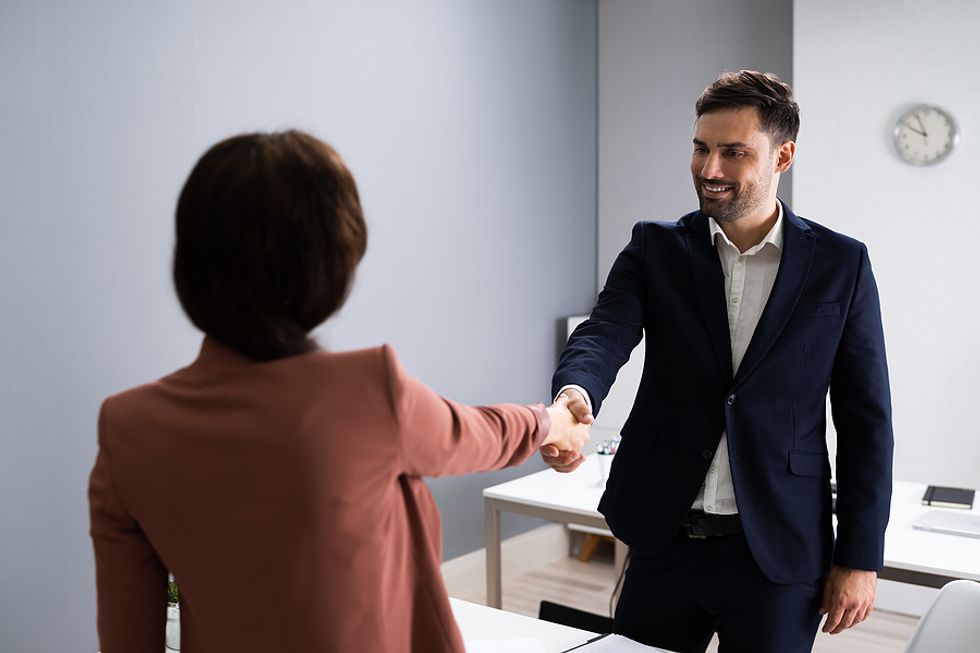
269,232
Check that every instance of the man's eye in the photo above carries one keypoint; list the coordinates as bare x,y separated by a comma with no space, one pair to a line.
735,153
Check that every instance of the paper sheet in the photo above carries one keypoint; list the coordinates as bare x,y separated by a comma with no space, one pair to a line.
615,644
512,645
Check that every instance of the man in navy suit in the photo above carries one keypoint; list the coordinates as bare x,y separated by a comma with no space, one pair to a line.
721,486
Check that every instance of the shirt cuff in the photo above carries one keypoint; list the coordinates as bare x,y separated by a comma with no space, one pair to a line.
572,386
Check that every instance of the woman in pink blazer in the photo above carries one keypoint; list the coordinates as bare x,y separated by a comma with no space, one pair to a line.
279,483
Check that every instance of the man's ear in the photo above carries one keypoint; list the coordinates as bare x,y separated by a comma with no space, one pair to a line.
785,156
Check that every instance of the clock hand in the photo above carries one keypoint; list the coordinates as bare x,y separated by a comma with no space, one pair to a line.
921,126
913,129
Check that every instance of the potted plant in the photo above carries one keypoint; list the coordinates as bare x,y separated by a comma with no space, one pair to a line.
173,616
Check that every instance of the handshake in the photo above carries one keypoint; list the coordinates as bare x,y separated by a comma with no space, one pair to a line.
570,420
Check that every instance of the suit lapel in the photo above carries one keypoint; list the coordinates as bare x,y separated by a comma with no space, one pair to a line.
794,265
709,282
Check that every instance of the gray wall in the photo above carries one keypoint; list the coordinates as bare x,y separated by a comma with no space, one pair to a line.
655,59
470,126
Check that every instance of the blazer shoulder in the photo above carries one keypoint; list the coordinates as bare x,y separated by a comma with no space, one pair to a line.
654,231
680,226
369,373
126,407
835,238
374,362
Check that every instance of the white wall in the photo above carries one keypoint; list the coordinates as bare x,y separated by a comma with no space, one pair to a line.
858,65
470,126
655,59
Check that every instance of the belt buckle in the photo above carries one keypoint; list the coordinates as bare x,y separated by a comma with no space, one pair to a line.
689,528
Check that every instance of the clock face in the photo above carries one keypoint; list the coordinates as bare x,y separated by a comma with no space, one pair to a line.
925,135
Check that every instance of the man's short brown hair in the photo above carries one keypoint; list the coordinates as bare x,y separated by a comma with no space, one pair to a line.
779,114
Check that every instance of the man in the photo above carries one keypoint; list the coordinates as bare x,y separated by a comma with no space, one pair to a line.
721,486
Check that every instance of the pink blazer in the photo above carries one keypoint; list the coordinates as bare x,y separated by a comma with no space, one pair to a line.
287,500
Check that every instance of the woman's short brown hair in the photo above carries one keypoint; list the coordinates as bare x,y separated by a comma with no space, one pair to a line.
779,114
269,232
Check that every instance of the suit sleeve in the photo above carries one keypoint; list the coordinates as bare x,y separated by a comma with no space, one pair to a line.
861,407
602,344
131,581
439,437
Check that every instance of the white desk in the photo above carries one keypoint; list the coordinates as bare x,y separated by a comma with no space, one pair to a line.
567,498
479,623
921,557
911,556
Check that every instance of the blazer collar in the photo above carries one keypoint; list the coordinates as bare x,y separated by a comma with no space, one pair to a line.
215,352
794,266
709,283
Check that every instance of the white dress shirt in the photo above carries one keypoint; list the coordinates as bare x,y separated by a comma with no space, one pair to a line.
749,277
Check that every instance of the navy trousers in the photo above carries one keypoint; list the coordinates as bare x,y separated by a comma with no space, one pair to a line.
679,597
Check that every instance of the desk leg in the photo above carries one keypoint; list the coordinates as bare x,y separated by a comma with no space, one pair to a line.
619,556
492,534
620,551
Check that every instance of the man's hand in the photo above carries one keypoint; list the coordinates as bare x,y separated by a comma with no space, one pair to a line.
567,434
848,597
567,459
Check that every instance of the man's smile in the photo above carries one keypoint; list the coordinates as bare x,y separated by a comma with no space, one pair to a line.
715,190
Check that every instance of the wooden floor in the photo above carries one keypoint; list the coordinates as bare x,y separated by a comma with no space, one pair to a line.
588,586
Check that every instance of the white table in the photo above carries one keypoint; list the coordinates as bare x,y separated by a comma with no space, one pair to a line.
921,557
478,623
911,556
569,498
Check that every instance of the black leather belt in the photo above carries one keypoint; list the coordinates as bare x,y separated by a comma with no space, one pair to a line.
700,525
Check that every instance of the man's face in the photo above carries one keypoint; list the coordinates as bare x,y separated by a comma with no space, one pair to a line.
733,165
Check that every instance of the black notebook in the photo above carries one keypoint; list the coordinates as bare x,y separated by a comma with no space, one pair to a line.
948,497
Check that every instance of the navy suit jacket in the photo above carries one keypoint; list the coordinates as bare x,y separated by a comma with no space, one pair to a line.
820,330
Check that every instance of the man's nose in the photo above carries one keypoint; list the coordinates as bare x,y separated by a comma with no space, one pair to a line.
711,169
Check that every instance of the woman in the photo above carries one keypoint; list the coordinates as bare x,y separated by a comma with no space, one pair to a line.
279,483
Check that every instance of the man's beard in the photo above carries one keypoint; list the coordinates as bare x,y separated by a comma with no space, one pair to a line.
742,201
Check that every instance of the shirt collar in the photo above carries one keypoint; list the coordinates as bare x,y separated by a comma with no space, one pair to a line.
774,237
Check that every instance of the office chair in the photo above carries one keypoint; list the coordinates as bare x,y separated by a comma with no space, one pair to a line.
562,614
952,623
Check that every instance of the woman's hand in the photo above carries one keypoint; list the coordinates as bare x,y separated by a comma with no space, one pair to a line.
569,433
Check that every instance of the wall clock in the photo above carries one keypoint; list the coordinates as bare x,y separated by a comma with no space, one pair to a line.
925,134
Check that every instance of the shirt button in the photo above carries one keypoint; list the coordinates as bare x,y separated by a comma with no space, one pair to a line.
731,400
712,468
709,507
734,300
707,454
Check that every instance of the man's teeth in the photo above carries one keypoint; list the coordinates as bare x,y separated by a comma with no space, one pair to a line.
716,189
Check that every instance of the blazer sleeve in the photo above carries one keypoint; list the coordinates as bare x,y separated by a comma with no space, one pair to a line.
603,343
439,437
131,581
861,408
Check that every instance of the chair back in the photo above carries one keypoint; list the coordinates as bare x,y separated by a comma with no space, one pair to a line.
952,623
562,614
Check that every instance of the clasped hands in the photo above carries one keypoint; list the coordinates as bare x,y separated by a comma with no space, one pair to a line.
570,420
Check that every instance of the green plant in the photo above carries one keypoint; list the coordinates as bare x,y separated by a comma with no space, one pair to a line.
173,593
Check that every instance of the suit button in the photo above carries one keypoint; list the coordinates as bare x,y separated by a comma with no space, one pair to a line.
731,400
707,454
